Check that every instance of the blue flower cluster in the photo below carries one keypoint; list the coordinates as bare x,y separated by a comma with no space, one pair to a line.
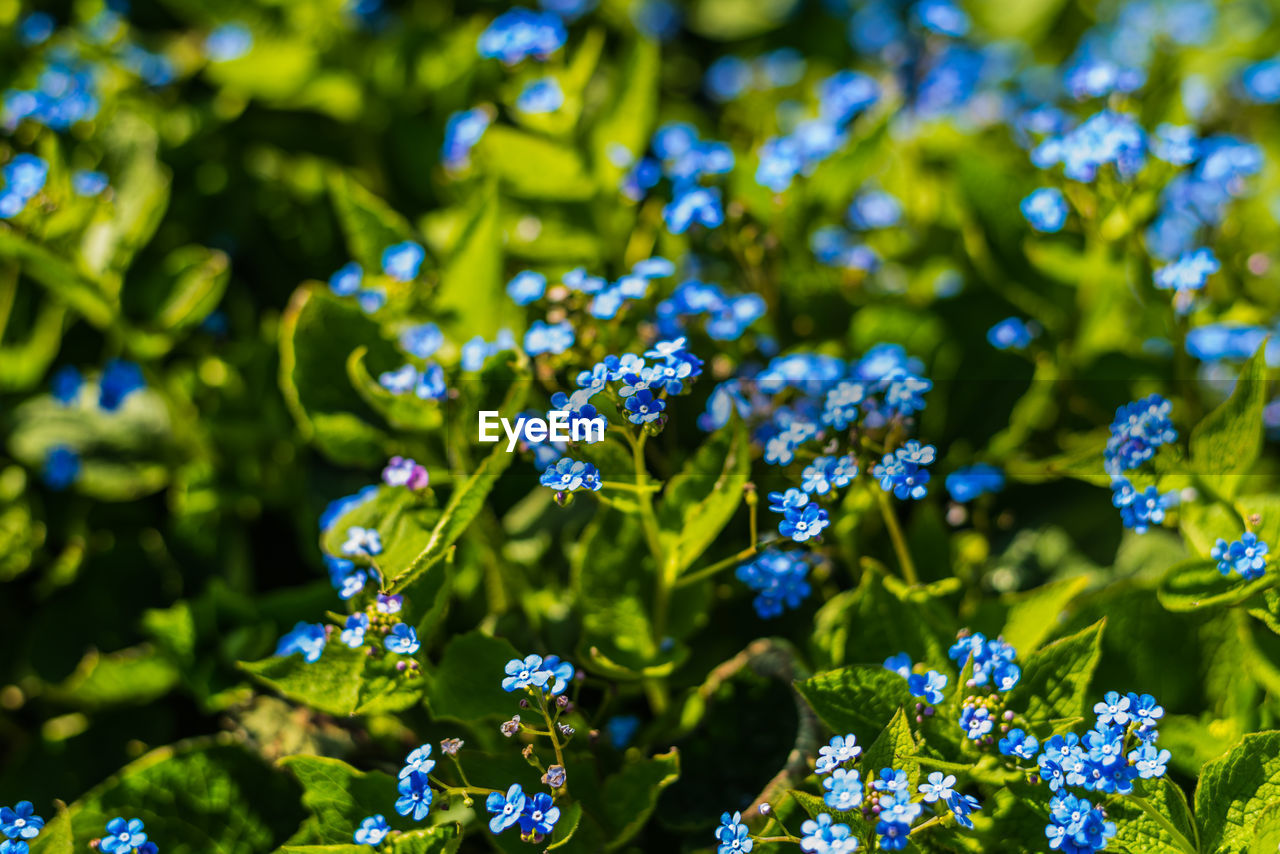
24,177
779,578
400,263
727,316
519,33
65,93
600,298
730,76
1137,432
1247,556
550,674
687,161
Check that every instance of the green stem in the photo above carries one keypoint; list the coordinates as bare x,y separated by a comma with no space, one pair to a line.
899,541
732,560
555,740
1147,807
935,820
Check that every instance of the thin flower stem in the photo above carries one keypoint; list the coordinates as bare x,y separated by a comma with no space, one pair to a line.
462,775
787,838
630,487
935,820
899,541
551,727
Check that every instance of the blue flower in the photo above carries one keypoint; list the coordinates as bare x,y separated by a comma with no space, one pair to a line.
941,16
966,484
833,754
904,480
1076,826
960,806
462,131
371,300
1140,510
527,287
938,786
643,407
569,475
400,380
418,761
520,33
422,340
415,796
874,209
976,721
539,815
694,204
403,640
1246,556
904,391
1149,761
228,42
543,337
354,630
61,467
526,673
120,378
1138,429
122,836
562,673
541,96
1145,709
87,183
844,789
20,822
35,28
840,408
308,639
1019,743
780,580
927,685
353,584
430,384
1104,138
346,279
803,523
1260,81
899,664
1012,333
372,831
401,261
506,810
993,660
365,542
733,835
823,835
65,385
1189,272
621,729
1176,144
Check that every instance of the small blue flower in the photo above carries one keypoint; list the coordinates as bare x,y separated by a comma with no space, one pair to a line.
372,831
899,664
1149,761
65,385
506,810
400,380
422,340
780,580
415,796
354,630
366,542
905,480
569,475
122,836
1019,743
893,782
527,287
539,815
20,822
61,467
1112,709
543,337
941,16
1145,709
562,673
643,407
525,673
961,806
86,183
430,384
966,484
353,584
308,639
418,761
371,300
844,789
120,378
402,260
403,640
346,279
804,523
840,409
1045,209
733,835
1246,556
228,42
1189,272
823,835
927,685
520,33
692,205
35,28
462,131
939,786
1012,333
621,729
838,751
541,96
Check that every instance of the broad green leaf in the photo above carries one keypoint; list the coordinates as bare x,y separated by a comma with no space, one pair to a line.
1197,584
132,676
465,503
626,799
895,747
339,796
1055,680
1227,442
317,333
471,296
906,621
56,838
534,167
1138,832
200,277
27,362
1235,790
861,699
369,224
404,520
700,500
467,684
343,681
1033,616
196,797
1266,837
730,20
61,278
406,412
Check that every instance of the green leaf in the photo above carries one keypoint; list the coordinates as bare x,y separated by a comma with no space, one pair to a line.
467,684
534,167
1055,680
730,20
369,224
861,699
61,278
626,800
635,107
700,500
200,277
1235,790
201,796
1033,616
317,332
1197,583
406,412
465,502
472,293
894,747
132,676
56,838
1138,832
343,681
339,797
1266,836
1227,442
